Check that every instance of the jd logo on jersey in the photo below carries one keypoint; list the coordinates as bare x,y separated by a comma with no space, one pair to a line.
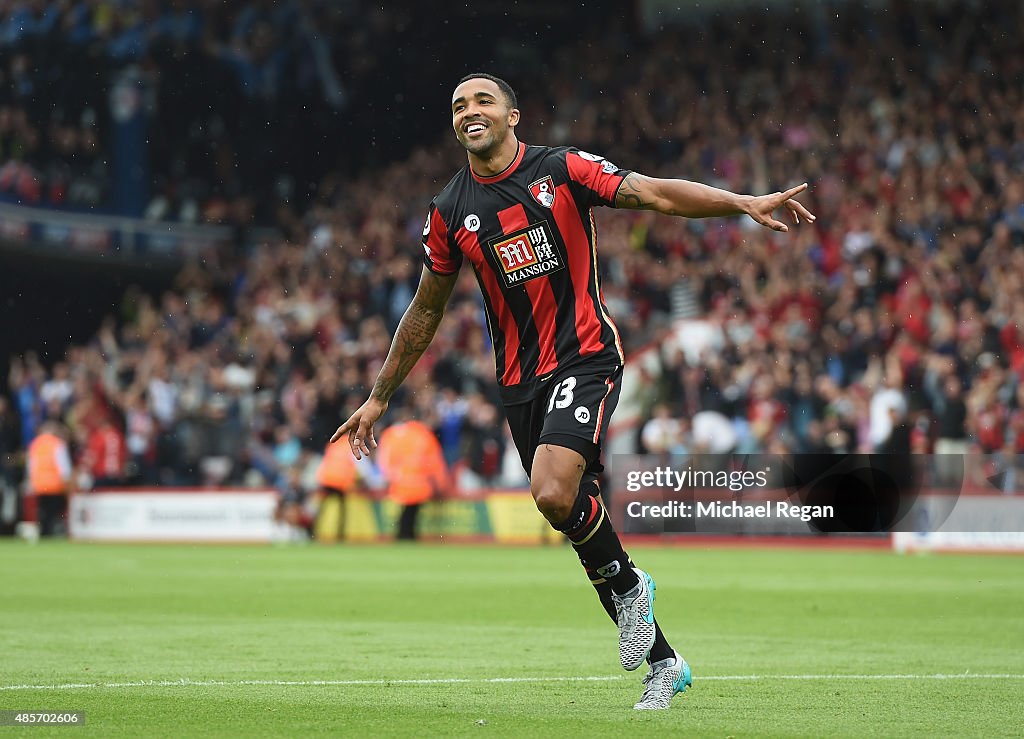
543,191
526,254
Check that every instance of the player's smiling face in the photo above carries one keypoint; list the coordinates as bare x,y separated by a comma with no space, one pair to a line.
481,116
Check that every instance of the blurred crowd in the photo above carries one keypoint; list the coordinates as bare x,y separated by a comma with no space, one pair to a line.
224,85
890,324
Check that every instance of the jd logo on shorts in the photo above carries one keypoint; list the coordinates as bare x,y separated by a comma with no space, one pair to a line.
582,414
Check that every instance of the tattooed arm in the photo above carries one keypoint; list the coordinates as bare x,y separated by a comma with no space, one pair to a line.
415,332
694,200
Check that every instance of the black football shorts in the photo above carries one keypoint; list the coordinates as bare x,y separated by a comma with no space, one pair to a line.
572,410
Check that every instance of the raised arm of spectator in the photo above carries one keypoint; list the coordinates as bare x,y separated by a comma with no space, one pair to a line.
415,332
694,200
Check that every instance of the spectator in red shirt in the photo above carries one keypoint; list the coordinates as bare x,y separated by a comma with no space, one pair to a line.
105,455
988,423
1015,425
765,413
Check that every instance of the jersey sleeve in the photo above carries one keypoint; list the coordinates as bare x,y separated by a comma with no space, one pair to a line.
596,176
440,253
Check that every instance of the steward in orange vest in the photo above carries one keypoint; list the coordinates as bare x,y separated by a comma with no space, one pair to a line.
337,470
411,461
337,476
49,477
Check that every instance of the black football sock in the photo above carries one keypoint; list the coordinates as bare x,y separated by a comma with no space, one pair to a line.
590,531
604,594
661,649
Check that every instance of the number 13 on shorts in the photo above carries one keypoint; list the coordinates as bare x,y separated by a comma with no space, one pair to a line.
561,394
576,406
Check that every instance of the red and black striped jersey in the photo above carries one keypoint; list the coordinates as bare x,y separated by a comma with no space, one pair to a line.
529,233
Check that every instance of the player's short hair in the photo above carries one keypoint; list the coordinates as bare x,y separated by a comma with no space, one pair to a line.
506,88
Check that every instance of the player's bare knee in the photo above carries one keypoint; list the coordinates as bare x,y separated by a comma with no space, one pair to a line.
555,481
554,500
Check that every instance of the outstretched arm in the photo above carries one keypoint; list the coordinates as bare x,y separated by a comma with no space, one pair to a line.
415,332
694,200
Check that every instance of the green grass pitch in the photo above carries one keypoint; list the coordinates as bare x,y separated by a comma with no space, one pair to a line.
252,641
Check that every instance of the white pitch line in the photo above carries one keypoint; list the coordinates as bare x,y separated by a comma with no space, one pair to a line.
186,682
937,676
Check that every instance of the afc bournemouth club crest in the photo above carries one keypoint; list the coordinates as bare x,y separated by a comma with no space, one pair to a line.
543,191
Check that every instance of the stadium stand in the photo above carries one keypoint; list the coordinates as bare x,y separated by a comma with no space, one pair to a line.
224,84
908,285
